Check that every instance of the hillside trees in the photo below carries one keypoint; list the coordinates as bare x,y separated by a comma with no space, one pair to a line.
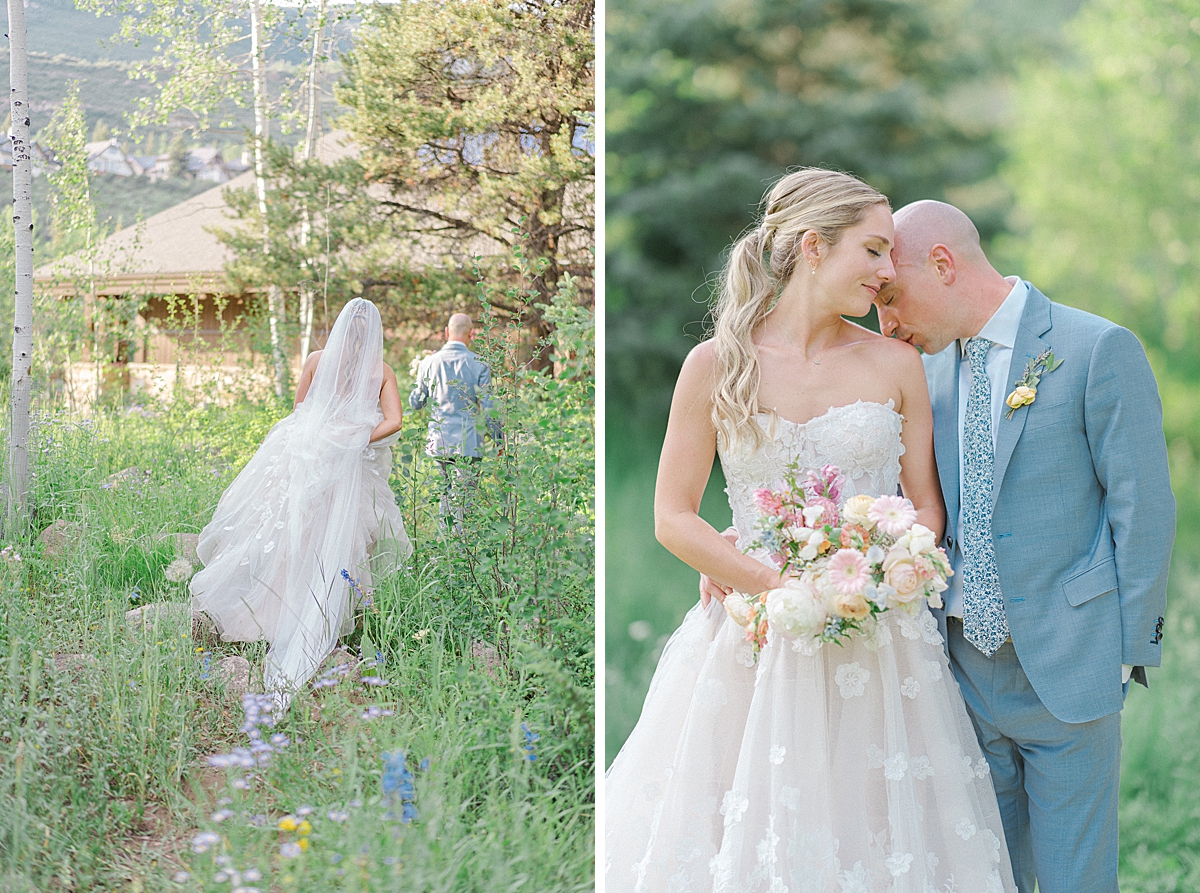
476,120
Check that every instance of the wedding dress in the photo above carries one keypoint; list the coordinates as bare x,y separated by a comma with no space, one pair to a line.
312,502
820,768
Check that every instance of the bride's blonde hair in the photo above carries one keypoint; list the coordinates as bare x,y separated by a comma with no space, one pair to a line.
760,264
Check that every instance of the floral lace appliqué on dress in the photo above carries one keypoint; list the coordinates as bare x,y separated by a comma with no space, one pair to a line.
835,769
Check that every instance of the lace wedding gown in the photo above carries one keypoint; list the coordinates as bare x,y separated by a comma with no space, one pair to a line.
820,769
314,500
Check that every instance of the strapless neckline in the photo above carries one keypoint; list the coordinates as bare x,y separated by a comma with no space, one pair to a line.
890,406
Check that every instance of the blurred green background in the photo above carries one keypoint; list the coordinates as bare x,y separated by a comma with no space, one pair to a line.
1068,129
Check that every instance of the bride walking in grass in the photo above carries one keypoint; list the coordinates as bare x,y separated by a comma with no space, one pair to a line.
290,548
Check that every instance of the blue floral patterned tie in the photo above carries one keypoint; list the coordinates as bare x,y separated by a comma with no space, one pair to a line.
984,623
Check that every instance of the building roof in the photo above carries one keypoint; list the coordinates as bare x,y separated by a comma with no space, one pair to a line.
174,249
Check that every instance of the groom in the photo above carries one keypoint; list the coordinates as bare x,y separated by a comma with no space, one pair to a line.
1059,520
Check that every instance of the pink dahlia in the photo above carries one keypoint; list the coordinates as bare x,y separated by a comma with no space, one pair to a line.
893,514
830,515
849,571
769,502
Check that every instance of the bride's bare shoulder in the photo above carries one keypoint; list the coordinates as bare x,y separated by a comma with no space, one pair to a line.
703,355
881,347
698,373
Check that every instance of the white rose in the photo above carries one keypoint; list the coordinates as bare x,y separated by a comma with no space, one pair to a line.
921,540
739,609
796,609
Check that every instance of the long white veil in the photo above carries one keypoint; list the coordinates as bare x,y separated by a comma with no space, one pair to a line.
312,502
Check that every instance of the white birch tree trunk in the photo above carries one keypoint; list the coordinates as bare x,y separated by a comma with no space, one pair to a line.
22,364
261,133
310,150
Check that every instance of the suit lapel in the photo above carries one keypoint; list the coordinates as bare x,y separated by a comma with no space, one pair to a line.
1035,322
942,373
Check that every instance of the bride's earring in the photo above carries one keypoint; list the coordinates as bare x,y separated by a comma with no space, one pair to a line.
812,268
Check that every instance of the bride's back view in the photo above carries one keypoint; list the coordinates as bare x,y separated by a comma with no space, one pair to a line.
314,501
818,767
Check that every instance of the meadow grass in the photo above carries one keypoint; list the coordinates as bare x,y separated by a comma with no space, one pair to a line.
475,661
649,591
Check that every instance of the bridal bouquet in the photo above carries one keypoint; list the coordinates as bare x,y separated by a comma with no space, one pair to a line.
845,562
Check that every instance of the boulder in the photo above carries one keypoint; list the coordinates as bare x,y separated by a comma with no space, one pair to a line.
60,537
148,616
234,672
117,479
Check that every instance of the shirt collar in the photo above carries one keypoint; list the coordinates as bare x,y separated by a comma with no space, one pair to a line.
1002,328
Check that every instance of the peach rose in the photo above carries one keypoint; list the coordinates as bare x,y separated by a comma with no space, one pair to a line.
900,572
851,607
739,609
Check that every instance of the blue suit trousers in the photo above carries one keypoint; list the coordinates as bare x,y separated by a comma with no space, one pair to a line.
1057,783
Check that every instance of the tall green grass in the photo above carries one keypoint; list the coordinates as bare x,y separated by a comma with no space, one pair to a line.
649,591
483,644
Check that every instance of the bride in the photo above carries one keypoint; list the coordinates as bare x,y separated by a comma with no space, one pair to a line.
308,511
818,768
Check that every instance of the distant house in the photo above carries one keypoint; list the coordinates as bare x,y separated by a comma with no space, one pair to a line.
206,163
171,261
107,157
203,163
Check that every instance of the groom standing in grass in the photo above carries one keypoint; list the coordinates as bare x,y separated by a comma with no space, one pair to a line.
454,382
1059,519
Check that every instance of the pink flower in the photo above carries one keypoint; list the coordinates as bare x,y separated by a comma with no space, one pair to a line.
833,481
830,515
893,514
849,571
769,502
925,567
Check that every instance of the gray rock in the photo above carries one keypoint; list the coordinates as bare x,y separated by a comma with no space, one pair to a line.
234,672
147,617
117,479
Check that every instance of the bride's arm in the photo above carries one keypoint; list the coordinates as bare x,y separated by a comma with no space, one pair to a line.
683,470
918,467
306,377
389,403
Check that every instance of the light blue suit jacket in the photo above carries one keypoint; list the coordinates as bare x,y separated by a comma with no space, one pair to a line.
1083,516
458,383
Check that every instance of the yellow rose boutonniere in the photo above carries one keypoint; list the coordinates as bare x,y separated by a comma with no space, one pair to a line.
1025,388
